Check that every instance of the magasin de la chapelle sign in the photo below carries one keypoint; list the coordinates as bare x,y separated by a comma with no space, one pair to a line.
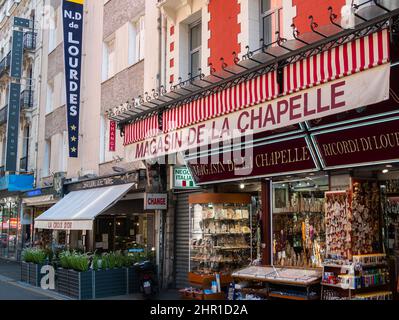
289,155
323,100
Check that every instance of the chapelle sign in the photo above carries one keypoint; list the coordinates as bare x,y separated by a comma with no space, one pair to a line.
72,13
320,101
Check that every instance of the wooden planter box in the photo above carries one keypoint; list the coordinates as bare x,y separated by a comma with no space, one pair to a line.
62,281
108,283
133,280
30,273
97,284
78,285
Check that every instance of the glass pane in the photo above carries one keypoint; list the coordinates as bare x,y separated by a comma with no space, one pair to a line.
3,234
298,222
267,29
13,230
195,63
265,5
220,237
195,36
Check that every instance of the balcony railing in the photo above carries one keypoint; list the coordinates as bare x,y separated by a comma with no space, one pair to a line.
5,64
271,21
3,115
26,99
23,164
30,40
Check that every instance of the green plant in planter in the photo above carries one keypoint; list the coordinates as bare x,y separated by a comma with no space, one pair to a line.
104,261
64,258
74,260
34,255
119,259
96,262
112,260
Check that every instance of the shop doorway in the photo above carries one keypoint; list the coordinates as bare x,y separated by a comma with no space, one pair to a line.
125,232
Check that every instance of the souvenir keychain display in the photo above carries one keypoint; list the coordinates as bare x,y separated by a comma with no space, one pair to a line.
299,236
365,213
338,224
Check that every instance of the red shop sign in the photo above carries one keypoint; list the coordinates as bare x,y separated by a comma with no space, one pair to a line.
268,159
112,132
365,144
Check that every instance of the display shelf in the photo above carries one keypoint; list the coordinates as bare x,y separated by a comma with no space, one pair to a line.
293,297
187,294
355,277
225,219
220,232
280,282
226,234
204,280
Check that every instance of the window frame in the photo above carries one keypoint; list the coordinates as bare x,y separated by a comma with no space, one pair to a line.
269,13
192,51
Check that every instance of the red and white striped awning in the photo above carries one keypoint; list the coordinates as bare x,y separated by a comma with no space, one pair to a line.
141,130
344,60
243,95
349,58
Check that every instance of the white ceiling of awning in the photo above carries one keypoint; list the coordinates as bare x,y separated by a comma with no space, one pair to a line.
79,208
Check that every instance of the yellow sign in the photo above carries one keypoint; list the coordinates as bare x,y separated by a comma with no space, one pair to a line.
77,1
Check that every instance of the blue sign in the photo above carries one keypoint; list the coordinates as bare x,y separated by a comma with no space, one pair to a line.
34,193
17,53
13,127
21,22
14,182
72,13
135,250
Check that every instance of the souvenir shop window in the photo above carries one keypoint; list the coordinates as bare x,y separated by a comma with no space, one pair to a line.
298,223
220,233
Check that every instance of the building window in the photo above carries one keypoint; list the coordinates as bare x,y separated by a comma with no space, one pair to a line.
47,158
270,21
108,59
136,41
195,48
25,150
50,97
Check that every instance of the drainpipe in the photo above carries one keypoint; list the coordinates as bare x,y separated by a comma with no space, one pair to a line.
38,88
161,220
165,39
159,76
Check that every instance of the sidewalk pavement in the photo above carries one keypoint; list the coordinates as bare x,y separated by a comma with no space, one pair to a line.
10,273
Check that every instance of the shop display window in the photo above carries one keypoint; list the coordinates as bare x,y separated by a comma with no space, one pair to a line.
10,228
220,232
299,229
390,207
123,232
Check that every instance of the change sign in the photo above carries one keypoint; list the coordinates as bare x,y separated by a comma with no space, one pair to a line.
72,13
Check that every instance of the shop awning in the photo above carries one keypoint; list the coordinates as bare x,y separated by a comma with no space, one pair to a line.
39,201
78,209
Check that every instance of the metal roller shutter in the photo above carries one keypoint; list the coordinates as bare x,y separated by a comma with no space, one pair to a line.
182,240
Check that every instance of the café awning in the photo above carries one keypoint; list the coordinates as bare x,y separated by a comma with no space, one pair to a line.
78,209
39,201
